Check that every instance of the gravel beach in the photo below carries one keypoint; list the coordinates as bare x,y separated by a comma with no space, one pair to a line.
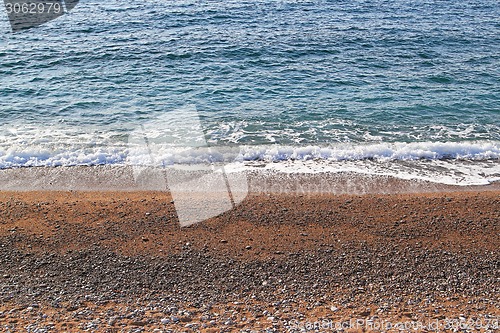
74,261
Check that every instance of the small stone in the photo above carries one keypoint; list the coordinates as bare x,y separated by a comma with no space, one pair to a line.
223,241
165,321
186,319
138,323
365,313
248,247
72,308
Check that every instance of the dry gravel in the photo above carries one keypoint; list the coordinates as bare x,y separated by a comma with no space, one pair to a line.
119,262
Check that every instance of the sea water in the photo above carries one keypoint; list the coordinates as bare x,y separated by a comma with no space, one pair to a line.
403,88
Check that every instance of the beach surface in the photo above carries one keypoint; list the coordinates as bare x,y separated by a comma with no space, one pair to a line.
120,262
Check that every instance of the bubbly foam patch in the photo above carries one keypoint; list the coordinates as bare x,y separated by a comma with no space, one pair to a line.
455,163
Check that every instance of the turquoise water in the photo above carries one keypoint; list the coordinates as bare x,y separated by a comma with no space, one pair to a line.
329,80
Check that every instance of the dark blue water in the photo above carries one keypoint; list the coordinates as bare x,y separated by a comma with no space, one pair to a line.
284,79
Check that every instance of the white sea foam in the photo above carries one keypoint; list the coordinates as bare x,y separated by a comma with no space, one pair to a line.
380,151
449,172
462,163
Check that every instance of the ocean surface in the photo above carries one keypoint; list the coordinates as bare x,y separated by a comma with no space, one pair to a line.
403,88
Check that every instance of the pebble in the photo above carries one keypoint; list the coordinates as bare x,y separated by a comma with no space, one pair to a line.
357,275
